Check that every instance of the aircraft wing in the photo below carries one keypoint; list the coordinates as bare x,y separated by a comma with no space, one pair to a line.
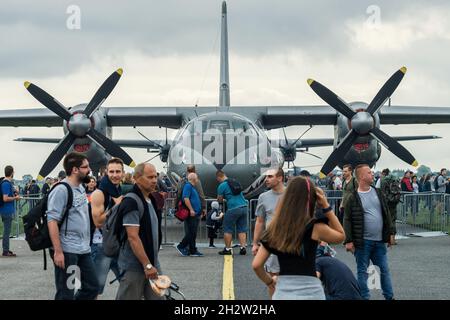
170,117
281,116
29,118
272,117
412,115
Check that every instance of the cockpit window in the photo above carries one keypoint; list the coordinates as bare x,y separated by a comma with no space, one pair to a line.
221,125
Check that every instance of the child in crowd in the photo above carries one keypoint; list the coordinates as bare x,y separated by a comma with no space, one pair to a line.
213,222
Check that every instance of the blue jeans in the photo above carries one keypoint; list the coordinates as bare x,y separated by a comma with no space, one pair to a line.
65,278
191,227
102,265
7,223
376,252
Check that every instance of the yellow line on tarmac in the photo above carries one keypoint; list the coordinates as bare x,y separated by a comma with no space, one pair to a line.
228,285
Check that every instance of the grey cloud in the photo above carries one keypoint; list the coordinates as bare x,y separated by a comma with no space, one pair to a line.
39,44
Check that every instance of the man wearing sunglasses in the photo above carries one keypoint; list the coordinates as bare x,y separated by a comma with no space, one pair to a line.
70,232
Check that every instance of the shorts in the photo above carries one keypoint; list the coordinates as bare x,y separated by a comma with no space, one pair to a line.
236,217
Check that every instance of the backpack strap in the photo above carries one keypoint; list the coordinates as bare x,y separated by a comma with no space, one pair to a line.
69,201
138,200
65,214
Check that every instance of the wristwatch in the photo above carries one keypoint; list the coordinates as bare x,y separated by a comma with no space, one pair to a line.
148,266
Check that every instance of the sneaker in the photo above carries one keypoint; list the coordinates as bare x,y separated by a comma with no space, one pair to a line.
8,254
183,251
212,246
197,254
243,251
225,252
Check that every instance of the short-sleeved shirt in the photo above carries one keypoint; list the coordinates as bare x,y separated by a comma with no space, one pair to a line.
267,203
7,209
75,231
373,217
338,279
303,264
127,260
191,193
233,201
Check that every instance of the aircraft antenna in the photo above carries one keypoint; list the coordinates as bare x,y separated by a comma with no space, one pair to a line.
208,66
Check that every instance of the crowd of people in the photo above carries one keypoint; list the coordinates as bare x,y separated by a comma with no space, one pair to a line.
294,224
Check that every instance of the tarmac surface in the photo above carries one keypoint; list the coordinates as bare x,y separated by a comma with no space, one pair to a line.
419,270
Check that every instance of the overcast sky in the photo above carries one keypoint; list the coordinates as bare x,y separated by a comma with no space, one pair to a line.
169,51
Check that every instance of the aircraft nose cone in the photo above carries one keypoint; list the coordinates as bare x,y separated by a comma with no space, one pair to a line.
79,124
362,122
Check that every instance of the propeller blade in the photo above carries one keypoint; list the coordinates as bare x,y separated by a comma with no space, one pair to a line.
331,98
285,137
311,154
57,154
338,153
393,146
152,157
295,142
103,92
47,100
156,144
110,147
166,135
386,91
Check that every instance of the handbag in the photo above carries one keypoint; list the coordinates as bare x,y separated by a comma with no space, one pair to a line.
182,212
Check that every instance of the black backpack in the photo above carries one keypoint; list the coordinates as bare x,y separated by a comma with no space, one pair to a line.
436,183
235,186
112,240
35,225
390,187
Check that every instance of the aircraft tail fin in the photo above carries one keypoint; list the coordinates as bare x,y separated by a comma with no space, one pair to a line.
224,88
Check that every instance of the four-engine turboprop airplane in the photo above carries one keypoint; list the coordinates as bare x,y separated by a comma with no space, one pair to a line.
232,139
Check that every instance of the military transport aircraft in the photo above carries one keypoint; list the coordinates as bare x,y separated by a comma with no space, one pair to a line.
229,138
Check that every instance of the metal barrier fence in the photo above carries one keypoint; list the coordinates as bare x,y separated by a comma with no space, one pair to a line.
423,212
415,213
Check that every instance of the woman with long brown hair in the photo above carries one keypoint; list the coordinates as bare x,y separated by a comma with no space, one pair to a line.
293,236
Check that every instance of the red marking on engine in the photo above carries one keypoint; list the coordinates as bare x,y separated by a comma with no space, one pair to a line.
361,146
81,147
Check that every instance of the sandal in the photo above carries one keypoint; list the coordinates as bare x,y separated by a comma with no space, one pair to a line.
9,254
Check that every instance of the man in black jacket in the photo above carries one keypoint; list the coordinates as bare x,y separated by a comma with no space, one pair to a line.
368,226
138,257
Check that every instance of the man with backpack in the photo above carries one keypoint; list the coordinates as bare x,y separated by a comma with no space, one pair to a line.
70,232
103,199
390,187
236,214
191,199
198,187
7,208
137,232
